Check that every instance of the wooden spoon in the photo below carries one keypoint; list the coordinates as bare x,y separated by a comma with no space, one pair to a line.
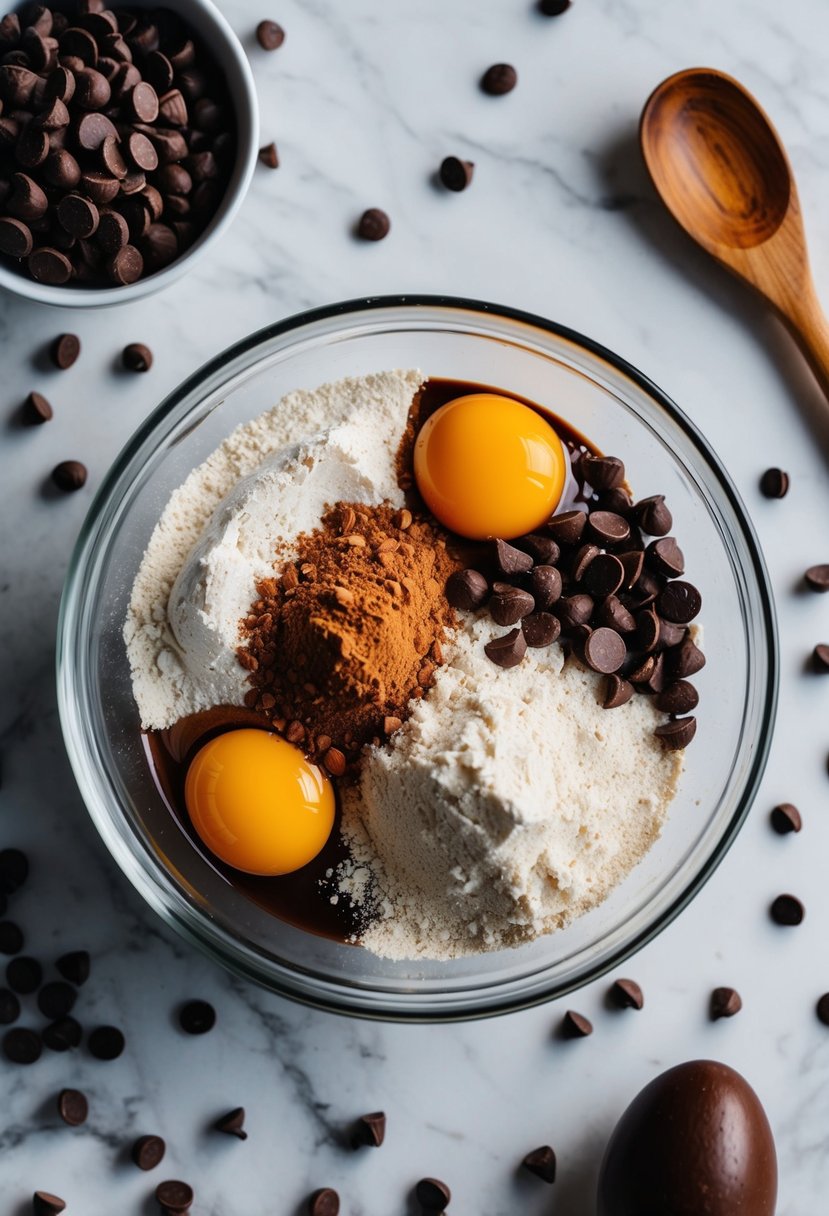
721,170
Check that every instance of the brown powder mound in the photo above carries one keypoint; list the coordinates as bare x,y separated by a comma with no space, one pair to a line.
350,632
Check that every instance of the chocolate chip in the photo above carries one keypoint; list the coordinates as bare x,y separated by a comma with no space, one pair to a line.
148,1151
37,409
676,734
553,8
545,586
65,350
822,1009
69,475
24,974
456,174
653,516
617,500
617,691
678,698
73,1107
647,631
542,1163
174,1196
670,635
540,628
608,528
725,1002
56,999
32,147
63,1035
232,1124
567,527
15,237
509,604
499,79
136,357
584,556
21,1046
787,910
269,35
626,994
467,590
604,650
542,549
74,967
574,610
113,232
575,1025
511,561
786,818
369,1130
325,1202
197,1017
44,1203
77,215
48,265
820,658
508,650
774,483
686,659
432,1194
106,1043
125,266
9,1007
11,938
602,472
374,225
92,91
604,575
679,602
269,157
62,170
664,556
612,613
632,562
817,578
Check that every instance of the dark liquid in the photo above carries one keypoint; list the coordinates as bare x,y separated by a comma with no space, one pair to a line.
303,899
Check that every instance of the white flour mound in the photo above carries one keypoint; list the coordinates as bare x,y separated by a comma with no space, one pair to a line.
510,803
220,532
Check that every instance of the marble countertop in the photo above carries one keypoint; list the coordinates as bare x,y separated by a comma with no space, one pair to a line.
363,101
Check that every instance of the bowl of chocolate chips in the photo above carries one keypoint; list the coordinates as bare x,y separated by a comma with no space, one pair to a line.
128,139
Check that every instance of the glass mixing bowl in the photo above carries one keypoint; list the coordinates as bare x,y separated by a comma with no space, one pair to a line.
621,412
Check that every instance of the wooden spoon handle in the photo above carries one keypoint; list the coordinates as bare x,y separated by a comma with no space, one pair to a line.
809,324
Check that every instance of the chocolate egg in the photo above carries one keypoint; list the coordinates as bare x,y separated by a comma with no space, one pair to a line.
695,1142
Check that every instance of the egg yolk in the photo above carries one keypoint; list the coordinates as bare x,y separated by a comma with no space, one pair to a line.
257,803
489,466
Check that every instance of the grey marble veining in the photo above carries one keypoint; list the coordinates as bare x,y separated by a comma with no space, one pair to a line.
364,100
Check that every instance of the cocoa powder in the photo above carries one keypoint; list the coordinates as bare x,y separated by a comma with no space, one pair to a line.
347,634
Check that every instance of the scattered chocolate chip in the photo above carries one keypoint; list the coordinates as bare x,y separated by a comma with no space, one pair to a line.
676,734
455,174
542,1163
468,590
686,659
553,8
56,999
542,549
774,483
136,357
567,527
21,1046
106,1042
69,475
44,1203
612,613
616,692
817,577
822,1009
602,472
582,560
325,1202
545,586
148,1151
664,556
604,651
499,79
374,225
269,35
574,610
653,516
626,994
679,602
677,698
617,500
174,1196
74,967
604,575
37,409
63,1035
73,1107
608,528
232,1124
787,910
820,658
786,818
48,265
670,634
508,650
433,1195
509,604
369,1130
15,237
648,630
511,561
65,350
725,1002
197,1017
24,974
632,562
540,628
575,1025
269,157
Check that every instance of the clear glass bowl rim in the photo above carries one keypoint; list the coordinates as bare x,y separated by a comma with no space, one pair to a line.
190,926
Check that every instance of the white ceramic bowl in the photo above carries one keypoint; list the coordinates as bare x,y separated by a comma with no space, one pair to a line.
212,28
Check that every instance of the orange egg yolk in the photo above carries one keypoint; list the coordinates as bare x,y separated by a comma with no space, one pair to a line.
257,803
489,466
